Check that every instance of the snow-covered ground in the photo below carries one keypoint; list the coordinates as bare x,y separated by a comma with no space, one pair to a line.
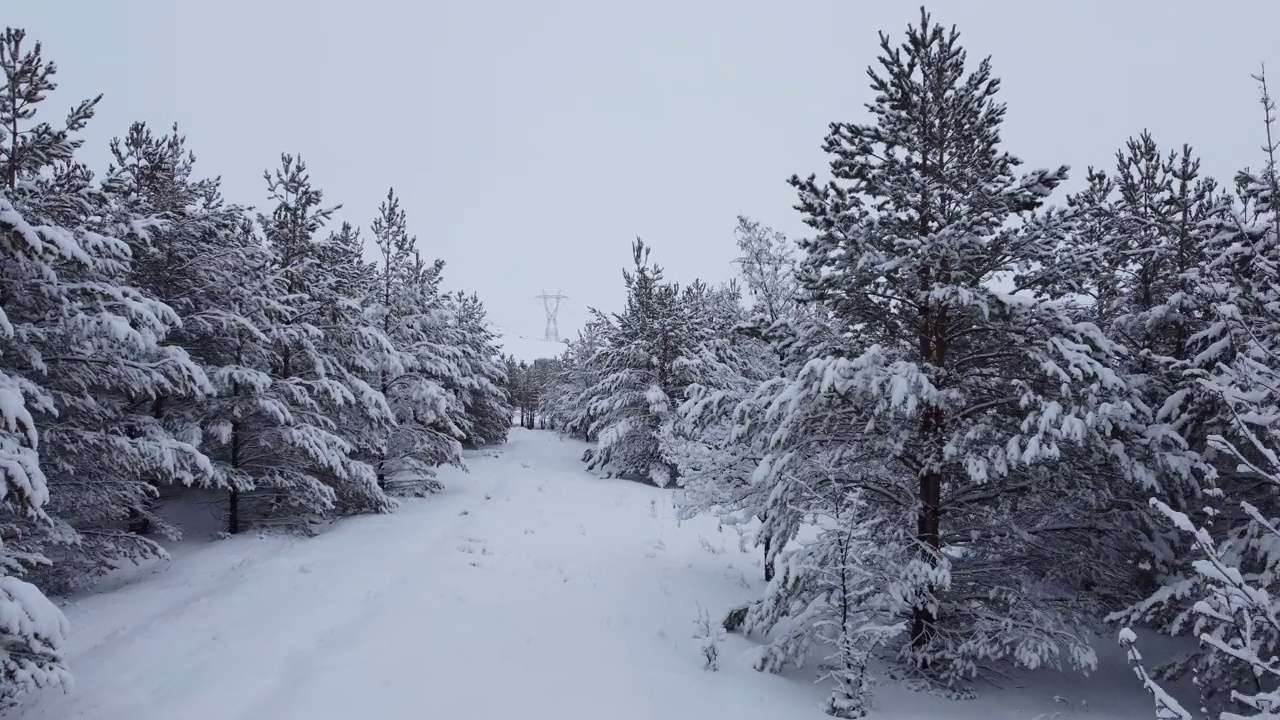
528,589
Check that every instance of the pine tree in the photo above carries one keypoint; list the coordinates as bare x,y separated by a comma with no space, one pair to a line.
423,358
717,440
177,220
97,344
530,385
1225,595
953,362
304,469
485,404
517,389
1145,231
1159,238
248,417
69,326
639,385
837,590
566,404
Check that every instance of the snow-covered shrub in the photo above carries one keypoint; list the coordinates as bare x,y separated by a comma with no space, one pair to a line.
709,636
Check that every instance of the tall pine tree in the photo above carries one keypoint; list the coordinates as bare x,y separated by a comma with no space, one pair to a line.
945,361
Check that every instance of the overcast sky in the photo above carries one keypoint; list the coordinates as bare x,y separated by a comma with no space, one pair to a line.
531,141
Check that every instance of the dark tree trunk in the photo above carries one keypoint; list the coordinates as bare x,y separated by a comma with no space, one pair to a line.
139,524
923,620
233,497
768,559
233,512
933,349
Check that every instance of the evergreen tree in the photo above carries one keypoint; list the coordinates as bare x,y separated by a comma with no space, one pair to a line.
414,373
639,383
716,462
95,343
949,363
837,591
529,384
80,348
1146,231
1225,591
304,469
482,374
248,417
517,388
566,403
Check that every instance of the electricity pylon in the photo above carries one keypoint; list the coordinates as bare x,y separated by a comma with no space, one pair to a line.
551,303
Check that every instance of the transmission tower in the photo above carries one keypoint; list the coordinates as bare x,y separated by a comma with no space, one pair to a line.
551,303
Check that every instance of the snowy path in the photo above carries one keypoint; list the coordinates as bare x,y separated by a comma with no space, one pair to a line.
528,589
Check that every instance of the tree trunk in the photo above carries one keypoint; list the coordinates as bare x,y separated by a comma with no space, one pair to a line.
933,349
233,512
233,498
138,523
923,620
768,559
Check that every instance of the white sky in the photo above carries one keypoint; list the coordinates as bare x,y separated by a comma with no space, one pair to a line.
531,141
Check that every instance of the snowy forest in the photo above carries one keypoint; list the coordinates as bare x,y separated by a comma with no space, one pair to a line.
154,335
969,421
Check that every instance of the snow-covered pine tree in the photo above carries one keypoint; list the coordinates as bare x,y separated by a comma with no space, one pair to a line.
838,591
716,462
306,468
196,252
639,385
543,373
162,214
1226,596
518,389
1146,230
96,343
565,405
406,306
529,386
354,337
1157,239
247,418
76,343
482,373
950,361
